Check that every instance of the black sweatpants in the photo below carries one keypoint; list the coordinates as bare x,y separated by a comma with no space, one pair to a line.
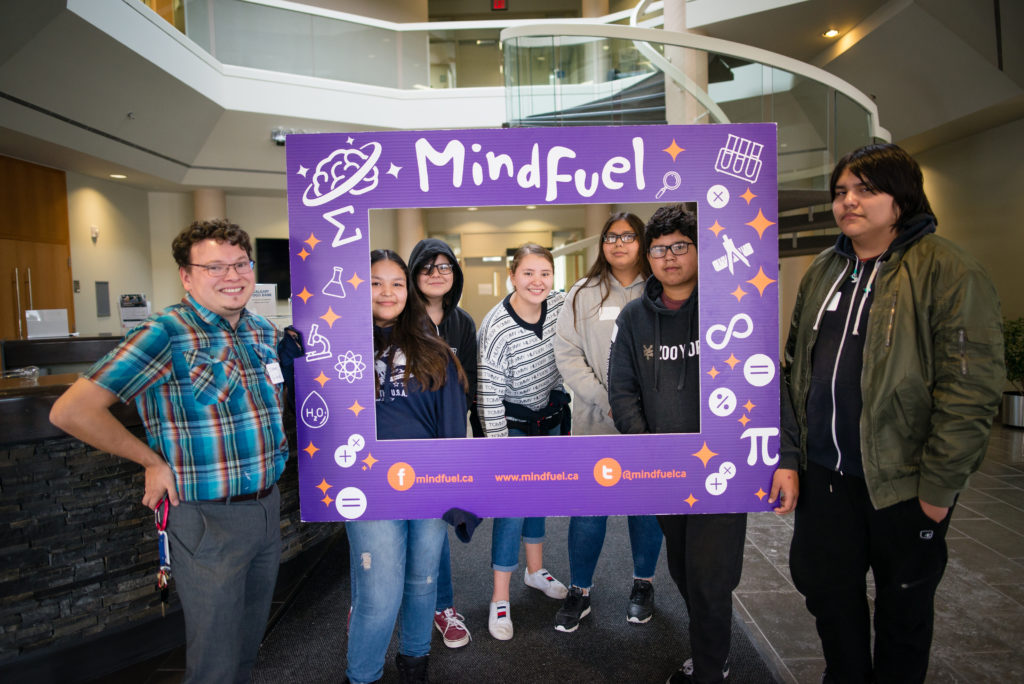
705,559
837,536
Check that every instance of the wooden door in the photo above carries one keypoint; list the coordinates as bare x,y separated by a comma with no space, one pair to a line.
43,281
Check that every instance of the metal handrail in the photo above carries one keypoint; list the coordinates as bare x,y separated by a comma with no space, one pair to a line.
706,44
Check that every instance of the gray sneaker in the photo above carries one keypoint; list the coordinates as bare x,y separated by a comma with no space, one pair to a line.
641,602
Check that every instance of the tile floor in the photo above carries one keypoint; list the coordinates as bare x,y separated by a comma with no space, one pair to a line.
980,602
979,606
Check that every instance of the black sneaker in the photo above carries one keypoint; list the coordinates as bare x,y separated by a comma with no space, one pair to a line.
641,602
574,608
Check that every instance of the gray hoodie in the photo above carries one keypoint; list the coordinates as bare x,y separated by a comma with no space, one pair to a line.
581,349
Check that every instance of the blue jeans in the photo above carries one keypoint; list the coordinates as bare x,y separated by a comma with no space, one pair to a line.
394,566
445,590
507,531
225,558
586,537
505,540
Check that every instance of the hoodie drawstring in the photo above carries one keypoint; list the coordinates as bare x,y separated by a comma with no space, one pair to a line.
828,298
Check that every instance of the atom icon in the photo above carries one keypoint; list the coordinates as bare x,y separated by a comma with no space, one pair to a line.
350,367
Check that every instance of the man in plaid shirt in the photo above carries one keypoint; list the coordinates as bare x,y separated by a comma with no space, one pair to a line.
205,377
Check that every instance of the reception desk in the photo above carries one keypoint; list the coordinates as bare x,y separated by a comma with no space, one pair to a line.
78,552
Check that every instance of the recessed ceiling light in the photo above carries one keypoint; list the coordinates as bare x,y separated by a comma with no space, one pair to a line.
831,33
471,208
531,206
118,176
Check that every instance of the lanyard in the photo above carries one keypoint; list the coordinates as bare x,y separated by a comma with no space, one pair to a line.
163,576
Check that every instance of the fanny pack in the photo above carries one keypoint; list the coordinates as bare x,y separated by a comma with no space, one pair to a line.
542,421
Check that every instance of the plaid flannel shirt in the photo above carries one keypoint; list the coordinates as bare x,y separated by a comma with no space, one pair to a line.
204,394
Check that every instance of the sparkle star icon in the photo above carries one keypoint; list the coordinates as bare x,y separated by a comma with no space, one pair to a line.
369,461
311,449
713,373
393,170
355,408
748,195
760,224
330,317
350,140
743,420
304,254
749,406
717,228
322,379
304,295
327,500
691,500
312,241
760,281
760,493
705,454
732,361
354,281
738,293
674,149
302,171
323,486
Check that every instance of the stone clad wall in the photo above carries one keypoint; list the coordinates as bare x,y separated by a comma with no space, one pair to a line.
78,554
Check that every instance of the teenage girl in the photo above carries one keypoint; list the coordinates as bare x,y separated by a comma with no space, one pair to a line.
421,393
437,279
519,394
583,337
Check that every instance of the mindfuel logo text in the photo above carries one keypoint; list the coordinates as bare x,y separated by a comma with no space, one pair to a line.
608,472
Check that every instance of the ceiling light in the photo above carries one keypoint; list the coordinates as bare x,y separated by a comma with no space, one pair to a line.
471,208
531,206
831,33
118,176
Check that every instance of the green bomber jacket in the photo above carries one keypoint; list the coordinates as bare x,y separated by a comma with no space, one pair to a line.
933,367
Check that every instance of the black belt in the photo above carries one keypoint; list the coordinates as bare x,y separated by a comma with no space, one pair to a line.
253,496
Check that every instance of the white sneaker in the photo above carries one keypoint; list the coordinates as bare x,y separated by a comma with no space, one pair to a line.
543,580
499,621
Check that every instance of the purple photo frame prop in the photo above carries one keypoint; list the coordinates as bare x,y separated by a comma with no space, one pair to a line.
729,171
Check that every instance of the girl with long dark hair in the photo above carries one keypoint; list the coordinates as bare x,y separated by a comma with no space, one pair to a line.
421,394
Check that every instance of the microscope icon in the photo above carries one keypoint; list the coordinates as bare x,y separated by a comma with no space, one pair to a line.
320,345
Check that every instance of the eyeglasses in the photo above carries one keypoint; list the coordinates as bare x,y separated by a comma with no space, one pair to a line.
611,238
221,270
443,269
678,248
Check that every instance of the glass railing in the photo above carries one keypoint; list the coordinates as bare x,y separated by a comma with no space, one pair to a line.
557,73
554,79
286,37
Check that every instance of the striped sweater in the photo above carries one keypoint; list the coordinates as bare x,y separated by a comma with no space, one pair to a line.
515,365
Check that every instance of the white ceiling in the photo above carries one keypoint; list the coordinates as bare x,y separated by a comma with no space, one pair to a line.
150,104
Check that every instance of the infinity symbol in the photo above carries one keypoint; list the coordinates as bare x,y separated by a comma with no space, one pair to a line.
730,331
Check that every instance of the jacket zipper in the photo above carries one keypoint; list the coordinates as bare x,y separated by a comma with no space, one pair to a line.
962,337
892,321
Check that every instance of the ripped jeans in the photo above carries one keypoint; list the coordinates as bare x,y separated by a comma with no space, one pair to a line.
394,566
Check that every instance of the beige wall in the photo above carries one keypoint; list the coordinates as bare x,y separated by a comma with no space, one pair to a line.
169,212
974,185
120,255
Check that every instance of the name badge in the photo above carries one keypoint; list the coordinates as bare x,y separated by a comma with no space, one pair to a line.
834,304
609,313
274,371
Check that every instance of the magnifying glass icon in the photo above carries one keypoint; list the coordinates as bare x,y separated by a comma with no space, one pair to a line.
671,181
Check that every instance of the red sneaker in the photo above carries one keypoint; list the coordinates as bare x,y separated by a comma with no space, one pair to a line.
452,627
